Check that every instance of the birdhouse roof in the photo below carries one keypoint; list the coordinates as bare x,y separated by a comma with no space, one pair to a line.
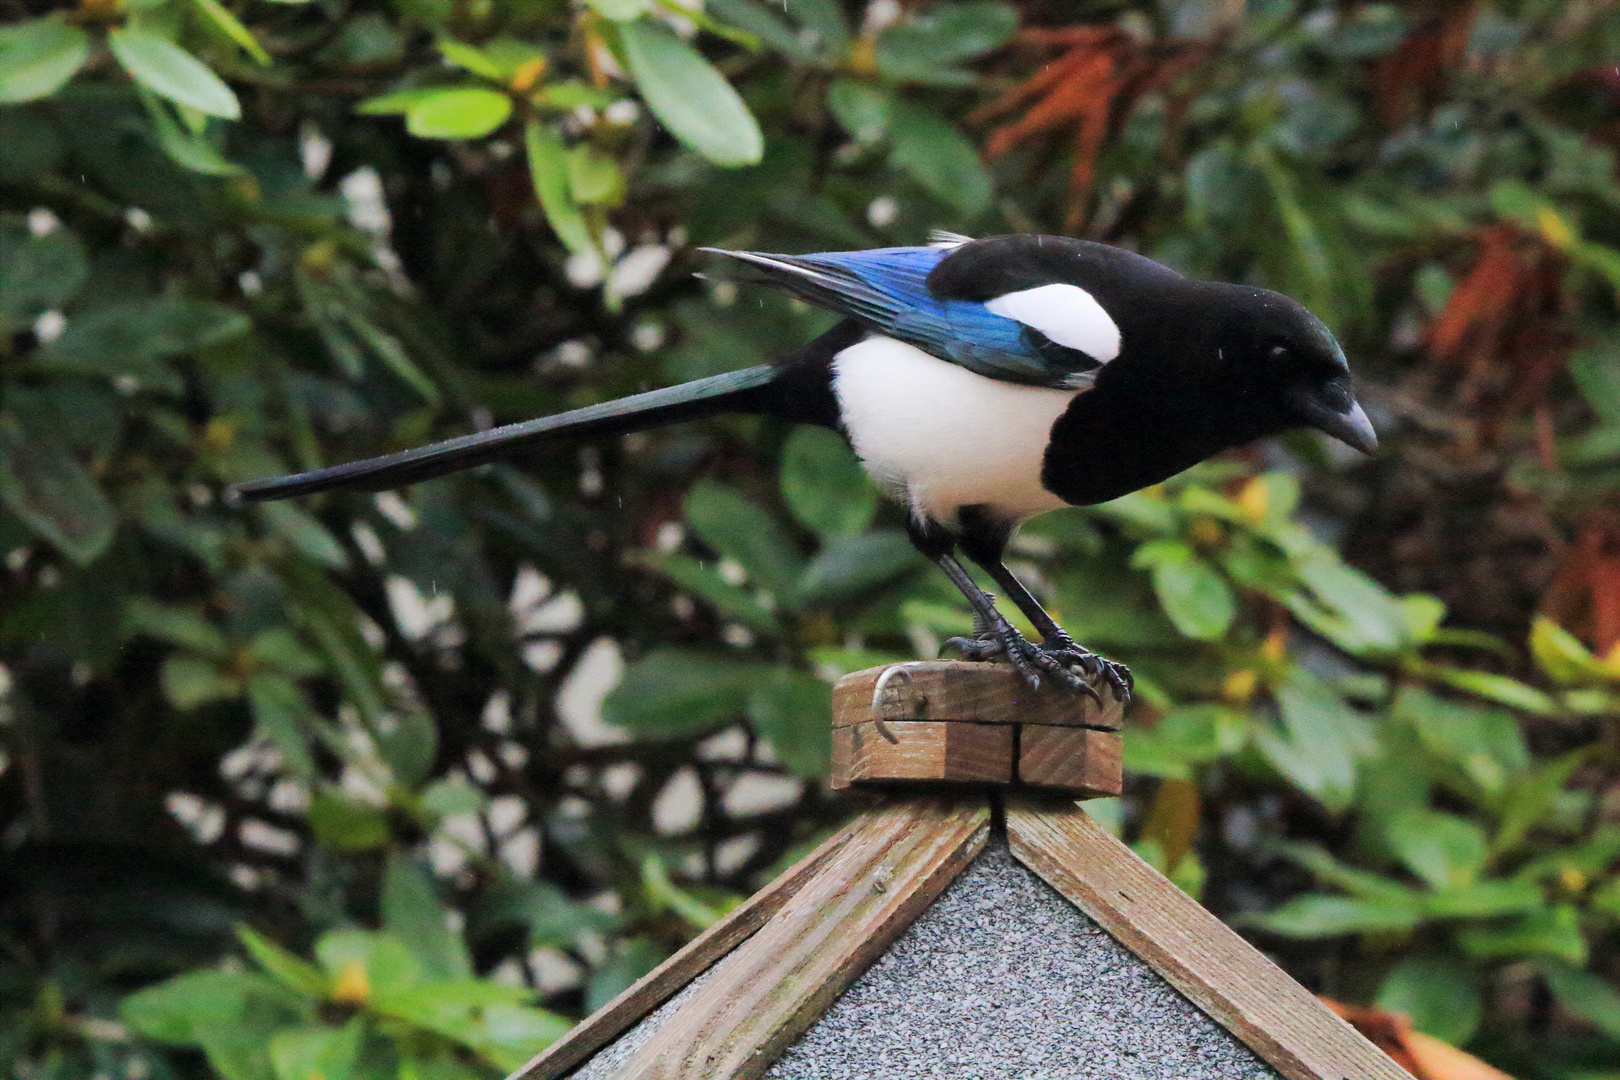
917,944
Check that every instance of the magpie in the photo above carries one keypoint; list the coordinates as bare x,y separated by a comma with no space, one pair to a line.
981,383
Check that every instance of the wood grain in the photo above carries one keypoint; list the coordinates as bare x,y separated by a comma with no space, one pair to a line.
922,750
1078,761
767,992
1195,952
956,690
668,978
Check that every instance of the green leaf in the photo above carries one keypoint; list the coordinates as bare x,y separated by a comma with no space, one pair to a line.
915,49
620,10
278,648
690,97
1355,612
548,170
37,273
1498,688
1596,370
278,708
306,534
726,598
38,57
1315,915
1487,745
169,71
174,1011
389,965
515,1033
408,745
790,709
1193,593
851,566
465,112
294,972
1362,884
122,339
44,485
189,149
1324,737
1586,995
191,1009
456,796
939,158
470,58
411,913
1438,994
1444,850
397,103
316,1051
1534,796
345,825
238,1053
862,108
767,26
233,28
594,177
661,894
824,485
448,1007
551,917
190,681
1483,900
176,625
1552,931
1185,736
671,693
1561,655
738,529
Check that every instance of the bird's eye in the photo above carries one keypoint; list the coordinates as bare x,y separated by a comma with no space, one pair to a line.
1278,352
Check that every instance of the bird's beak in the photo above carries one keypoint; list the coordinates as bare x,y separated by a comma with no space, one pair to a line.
1350,427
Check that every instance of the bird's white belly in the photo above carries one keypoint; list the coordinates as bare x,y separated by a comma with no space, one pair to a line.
942,437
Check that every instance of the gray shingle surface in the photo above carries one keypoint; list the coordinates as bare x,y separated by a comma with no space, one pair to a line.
1001,979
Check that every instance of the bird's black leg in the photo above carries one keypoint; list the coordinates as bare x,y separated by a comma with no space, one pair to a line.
983,539
995,635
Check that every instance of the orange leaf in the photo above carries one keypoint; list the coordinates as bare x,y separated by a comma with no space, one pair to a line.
1424,1056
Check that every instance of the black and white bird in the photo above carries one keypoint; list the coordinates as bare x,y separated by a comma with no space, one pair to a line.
983,382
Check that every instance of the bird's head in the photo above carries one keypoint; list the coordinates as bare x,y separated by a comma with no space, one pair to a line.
1286,360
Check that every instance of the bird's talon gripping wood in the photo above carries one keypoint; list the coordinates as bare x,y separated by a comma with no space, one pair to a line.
984,382
1072,666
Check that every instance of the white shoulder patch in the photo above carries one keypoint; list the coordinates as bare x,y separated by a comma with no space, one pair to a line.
1065,313
944,238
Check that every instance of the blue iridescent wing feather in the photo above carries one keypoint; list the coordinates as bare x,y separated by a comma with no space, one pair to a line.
887,288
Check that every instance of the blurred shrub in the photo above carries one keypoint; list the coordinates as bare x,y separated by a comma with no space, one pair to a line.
1378,700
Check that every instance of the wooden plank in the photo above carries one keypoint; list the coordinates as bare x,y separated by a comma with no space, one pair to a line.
922,750
1196,953
691,960
957,690
1078,761
777,983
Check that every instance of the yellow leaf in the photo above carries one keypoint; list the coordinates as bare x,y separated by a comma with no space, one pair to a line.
352,986
1239,686
1275,647
1554,228
1252,499
527,74
1611,660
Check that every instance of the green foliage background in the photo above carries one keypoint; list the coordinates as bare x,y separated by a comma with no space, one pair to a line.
329,789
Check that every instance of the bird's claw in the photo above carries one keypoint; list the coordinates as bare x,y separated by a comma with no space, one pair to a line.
1074,666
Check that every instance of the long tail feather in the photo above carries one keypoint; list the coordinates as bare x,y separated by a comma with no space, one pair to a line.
688,401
